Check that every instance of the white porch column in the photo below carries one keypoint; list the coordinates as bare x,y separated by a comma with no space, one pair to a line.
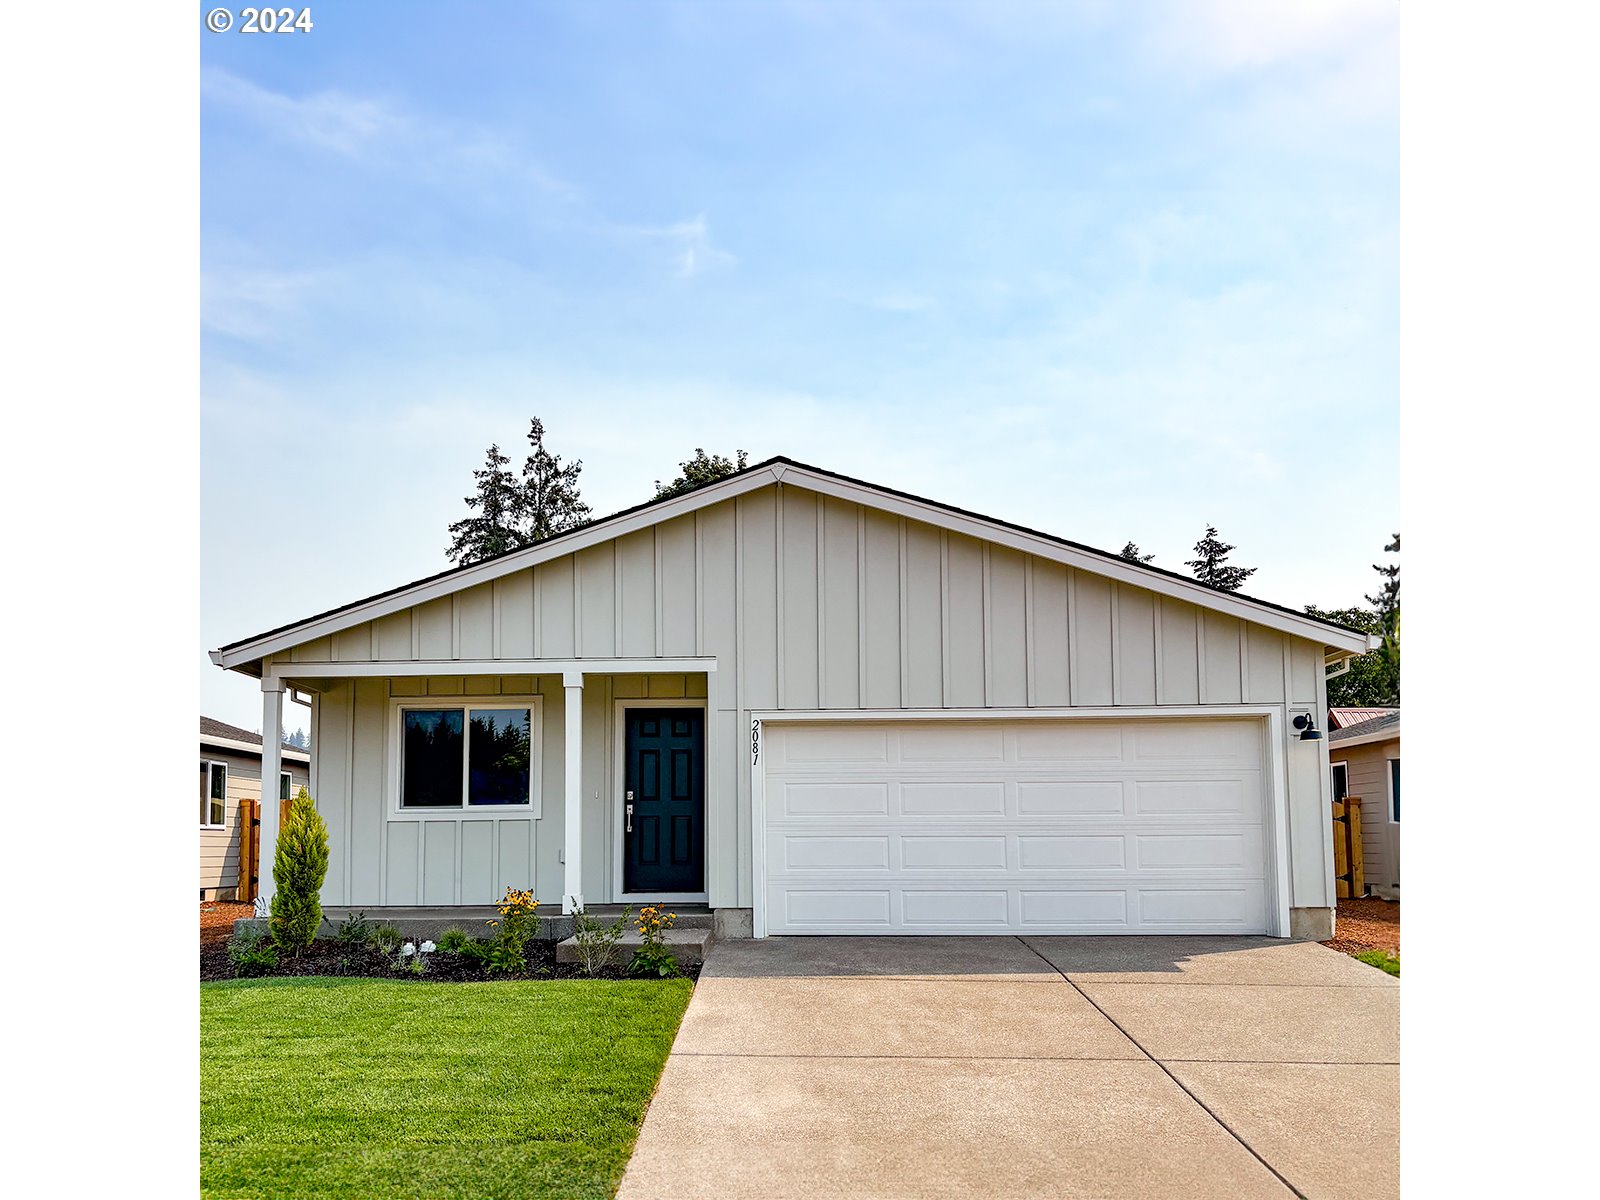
271,765
572,775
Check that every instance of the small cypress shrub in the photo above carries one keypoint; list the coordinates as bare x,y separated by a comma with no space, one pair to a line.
298,869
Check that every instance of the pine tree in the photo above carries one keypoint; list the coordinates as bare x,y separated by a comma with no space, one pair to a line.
1387,602
298,869
1210,564
496,524
550,503
700,470
1132,553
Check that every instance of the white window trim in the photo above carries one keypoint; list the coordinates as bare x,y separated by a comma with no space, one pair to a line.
614,813
1388,786
286,775
212,764
1346,766
483,812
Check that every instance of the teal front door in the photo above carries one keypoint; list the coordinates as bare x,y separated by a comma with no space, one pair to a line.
664,782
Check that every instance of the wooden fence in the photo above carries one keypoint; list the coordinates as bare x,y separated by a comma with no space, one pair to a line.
1349,877
250,846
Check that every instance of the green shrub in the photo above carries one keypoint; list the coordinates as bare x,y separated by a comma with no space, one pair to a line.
252,953
298,869
385,939
476,952
454,941
355,931
595,941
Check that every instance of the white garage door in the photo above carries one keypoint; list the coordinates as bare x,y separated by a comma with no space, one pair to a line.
1047,826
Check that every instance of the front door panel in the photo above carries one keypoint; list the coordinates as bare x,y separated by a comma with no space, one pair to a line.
664,773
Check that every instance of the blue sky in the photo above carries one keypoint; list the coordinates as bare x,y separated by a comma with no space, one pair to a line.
1112,271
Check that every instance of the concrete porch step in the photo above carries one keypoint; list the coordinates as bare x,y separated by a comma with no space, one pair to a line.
690,945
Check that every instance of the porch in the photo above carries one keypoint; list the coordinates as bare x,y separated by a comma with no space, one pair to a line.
443,785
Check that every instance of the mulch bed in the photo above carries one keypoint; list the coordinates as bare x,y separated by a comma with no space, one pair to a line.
329,957
217,918
1366,924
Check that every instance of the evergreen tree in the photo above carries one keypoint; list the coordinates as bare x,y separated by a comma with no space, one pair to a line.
700,470
1132,553
1367,682
298,869
1210,564
550,503
1387,602
496,524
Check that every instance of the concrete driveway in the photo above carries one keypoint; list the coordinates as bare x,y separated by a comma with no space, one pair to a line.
1010,1067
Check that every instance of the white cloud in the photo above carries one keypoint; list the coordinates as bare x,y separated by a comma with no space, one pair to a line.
253,303
690,248
331,120
1231,35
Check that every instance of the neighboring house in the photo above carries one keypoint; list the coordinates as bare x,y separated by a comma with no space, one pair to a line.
820,706
230,771
1364,760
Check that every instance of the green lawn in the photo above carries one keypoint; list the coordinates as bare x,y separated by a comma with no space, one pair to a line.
1384,960
365,1087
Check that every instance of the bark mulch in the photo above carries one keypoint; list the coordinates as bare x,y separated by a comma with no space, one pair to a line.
217,918
1366,924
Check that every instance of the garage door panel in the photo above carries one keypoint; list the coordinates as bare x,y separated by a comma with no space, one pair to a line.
957,742
1237,851
953,799
830,744
857,907
1084,742
1070,797
1128,836
1236,909
960,853
1231,797
832,853
833,799
950,908
1050,909
1072,852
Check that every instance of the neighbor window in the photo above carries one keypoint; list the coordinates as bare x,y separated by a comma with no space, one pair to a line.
1394,790
468,756
284,785
1341,781
213,794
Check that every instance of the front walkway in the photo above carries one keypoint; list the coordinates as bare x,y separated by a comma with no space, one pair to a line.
1019,1067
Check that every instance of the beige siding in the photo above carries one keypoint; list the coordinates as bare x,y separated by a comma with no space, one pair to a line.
219,848
806,602
1368,777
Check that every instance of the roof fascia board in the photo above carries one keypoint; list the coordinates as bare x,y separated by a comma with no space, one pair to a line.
1195,593
1392,734
251,748
603,530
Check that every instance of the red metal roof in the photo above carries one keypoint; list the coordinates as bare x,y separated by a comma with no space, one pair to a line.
1343,718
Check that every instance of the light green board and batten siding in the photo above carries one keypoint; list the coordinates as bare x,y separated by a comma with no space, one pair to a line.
806,601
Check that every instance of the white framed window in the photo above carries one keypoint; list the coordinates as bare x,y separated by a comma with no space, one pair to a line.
285,785
471,756
1394,790
1341,779
213,794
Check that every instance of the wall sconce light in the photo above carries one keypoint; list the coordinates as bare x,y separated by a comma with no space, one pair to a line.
1307,725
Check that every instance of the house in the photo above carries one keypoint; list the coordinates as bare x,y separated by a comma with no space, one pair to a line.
230,771
1364,760
818,705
